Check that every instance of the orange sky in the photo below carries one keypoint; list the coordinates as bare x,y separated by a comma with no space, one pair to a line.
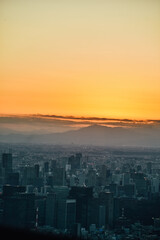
84,58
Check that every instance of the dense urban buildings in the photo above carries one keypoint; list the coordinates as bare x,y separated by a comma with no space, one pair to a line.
85,191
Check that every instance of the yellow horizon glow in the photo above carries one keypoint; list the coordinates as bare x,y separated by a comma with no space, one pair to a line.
83,58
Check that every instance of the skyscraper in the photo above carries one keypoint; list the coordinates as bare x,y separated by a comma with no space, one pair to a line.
6,166
106,199
83,196
70,219
7,162
51,209
61,197
19,210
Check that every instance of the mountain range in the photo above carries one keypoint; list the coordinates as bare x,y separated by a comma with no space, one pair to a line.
92,135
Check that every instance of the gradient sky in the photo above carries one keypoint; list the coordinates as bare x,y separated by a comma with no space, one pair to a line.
85,58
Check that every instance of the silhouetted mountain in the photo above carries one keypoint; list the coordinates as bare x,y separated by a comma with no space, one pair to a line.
93,135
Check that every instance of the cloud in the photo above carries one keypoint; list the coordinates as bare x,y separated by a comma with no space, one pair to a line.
104,121
59,123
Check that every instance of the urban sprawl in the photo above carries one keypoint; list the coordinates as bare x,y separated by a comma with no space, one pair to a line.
84,191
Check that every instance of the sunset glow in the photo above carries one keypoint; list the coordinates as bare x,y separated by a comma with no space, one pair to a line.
80,58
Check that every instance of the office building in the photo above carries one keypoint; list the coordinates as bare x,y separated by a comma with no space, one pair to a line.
70,214
51,210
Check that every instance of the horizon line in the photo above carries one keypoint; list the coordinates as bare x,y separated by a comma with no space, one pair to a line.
76,117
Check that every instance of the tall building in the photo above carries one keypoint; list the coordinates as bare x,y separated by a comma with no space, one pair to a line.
113,187
36,168
19,211
78,160
91,178
71,160
93,212
40,206
62,193
105,175
102,216
59,177
155,185
125,179
107,200
13,179
130,190
46,167
141,183
51,210
7,162
28,175
70,219
149,167
53,164
75,161
83,196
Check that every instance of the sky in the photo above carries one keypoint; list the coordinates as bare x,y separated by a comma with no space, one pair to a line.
80,58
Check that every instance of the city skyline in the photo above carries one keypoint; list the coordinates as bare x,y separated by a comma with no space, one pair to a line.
83,58
80,119
80,191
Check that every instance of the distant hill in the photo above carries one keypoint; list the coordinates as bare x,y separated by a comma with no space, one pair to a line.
92,135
